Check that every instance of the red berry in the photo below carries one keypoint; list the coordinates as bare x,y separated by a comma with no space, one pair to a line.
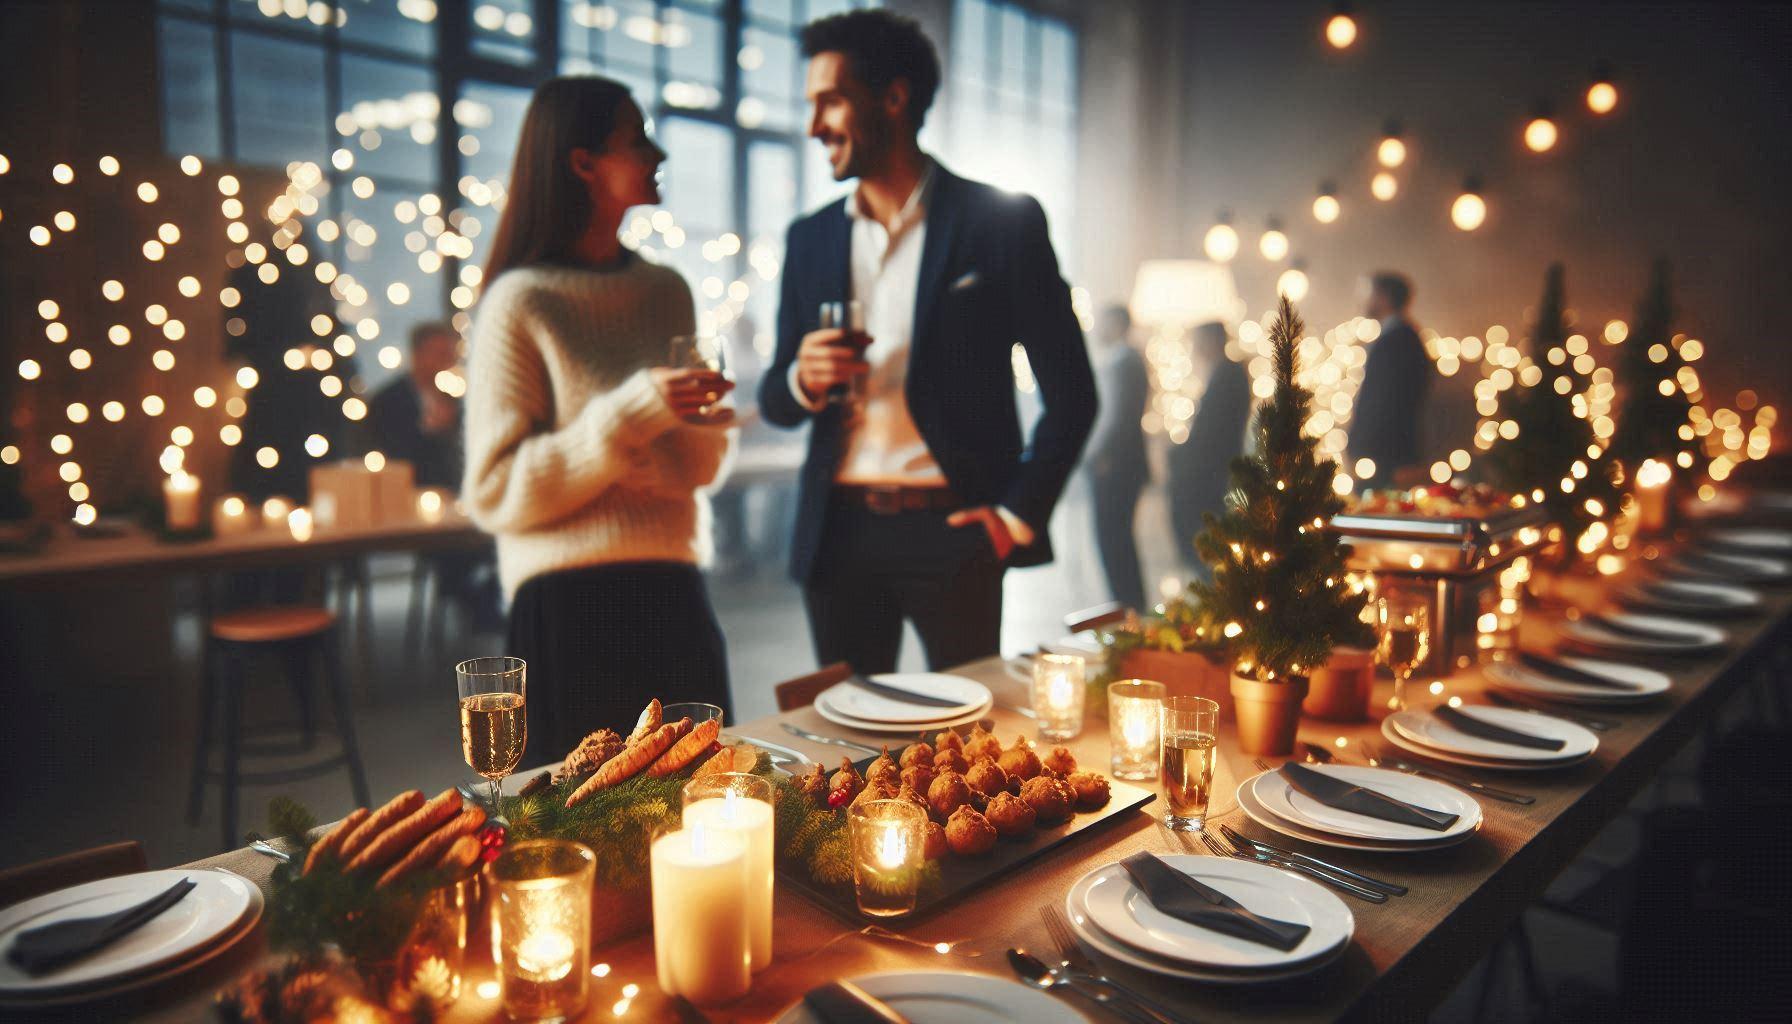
839,798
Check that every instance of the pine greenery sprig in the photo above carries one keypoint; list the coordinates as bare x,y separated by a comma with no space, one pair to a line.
1278,574
1649,422
1556,451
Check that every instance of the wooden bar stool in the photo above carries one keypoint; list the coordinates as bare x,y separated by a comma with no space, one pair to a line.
303,639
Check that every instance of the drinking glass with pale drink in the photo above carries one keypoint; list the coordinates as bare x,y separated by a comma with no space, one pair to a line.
494,726
1190,734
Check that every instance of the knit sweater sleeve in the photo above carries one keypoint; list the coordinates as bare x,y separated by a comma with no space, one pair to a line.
523,471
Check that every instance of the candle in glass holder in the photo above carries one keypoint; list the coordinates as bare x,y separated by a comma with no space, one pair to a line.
741,803
180,492
701,945
231,516
1652,479
274,512
543,923
1135,711
888,840
430,505
300,523
1058,695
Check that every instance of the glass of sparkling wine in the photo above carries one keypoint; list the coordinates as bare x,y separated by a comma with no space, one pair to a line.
1404,621
493,725
700,352
1190,734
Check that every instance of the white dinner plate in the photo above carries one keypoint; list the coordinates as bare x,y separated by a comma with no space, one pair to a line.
1749,568
853,701
1430,731
1254,809
1707,598
1092,935
900,728
1678,636
1281,799
214,907
1400,739
1753,539
1522,679
939,997
1119,908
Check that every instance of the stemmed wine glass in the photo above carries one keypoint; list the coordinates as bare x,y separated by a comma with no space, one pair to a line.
494,726
1405,642
699,352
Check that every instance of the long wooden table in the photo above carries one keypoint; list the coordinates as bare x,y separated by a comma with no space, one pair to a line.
1407,953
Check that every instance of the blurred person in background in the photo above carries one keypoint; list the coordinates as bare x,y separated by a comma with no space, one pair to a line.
1199,469
1114,462
1396,379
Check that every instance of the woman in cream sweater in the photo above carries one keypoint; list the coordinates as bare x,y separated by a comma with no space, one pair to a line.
586,456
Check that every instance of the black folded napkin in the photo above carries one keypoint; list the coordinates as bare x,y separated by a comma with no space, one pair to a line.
43,949
1347,796
1462,721
1636,632
1568,673
842,1002
1187,899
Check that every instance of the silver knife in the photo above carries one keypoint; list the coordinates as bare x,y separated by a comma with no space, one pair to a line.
1450,777
815,737
897,693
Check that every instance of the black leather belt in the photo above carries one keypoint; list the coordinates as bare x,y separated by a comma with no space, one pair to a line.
891,499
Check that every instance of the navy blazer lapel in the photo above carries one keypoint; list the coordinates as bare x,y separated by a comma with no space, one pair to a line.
942,226
834,276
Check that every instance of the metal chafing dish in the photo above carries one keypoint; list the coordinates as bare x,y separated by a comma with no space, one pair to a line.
1456,558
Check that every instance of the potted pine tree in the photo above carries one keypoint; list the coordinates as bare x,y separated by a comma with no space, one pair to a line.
1278,582
1654,424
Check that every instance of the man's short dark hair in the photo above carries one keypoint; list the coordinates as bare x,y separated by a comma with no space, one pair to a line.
880,47
1395,285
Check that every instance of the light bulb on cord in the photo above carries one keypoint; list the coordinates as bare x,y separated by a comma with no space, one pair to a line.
1469,210
1293,283
1221,242
1392,150
1540,133
1602,95
1274,244
1384,186
1325,207
1340,29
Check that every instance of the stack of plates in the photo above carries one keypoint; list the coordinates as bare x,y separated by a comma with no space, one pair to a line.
856,707
1274,804
1631,633
1636,683
1423,733
1108,912
221,909
1708,598
1743,566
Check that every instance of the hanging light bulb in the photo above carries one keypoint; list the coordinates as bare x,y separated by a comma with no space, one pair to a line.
1340,29
1392,150
1293,282
1221,243
1540,133
1384,186
1469,210
1273,245
1602,95
1325,207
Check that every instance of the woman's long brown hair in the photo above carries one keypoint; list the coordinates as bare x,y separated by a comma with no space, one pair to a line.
548,207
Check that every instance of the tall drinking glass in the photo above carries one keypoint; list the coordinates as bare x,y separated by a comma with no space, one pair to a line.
850,316
494,726
1405,642
699,352
1190,738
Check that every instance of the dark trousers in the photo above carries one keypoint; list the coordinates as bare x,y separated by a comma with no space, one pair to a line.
1116,501
873,571
603,640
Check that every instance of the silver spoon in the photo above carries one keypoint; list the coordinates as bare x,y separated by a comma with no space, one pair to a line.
1034,972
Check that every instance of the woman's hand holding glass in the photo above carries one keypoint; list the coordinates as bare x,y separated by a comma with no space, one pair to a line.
693,394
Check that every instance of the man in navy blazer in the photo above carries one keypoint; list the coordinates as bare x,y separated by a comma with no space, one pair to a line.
919,489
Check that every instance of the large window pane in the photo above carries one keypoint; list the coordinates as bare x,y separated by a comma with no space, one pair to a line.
295,17
493,116
693,44
405,25
190,122
277,88
699,175
394,110
504,30
400,293
772,92
771,193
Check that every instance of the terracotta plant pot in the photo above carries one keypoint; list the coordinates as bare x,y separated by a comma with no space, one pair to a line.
1183,673
1268,714
1343,689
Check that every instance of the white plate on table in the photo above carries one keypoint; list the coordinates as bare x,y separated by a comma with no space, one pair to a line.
1119,908
1749,568
1519,678
1282,800
1677,635
1400,739
900,728
853,701
1691,597
1254,809
1752,539
1433,733
940,997
176,938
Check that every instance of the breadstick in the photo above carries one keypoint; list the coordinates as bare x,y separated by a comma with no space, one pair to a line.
633,758
330,842
460,856
402,836
396,810
649,721
430,849
686,750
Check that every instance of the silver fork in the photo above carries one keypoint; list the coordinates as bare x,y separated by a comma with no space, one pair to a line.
1074,961
1261,764
1220,849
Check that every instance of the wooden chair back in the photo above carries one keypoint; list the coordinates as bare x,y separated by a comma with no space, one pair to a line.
69,869
802,691
1096,617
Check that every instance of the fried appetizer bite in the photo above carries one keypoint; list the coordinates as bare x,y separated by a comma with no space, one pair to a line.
969,834
1051,799
947,794
1060,760
1012,816
1019,760
1090,788
987,777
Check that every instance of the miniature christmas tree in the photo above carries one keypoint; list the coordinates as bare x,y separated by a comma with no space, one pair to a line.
1653,422
1278,574
1556,458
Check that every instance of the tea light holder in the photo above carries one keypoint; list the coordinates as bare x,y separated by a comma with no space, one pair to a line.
888,838
702,949
1135,718
741,803
180,496
1058,695
543,925
231,516
274,512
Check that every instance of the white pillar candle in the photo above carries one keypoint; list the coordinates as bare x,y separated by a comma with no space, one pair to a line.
274,512
700,944
299,522
231,516
751,820
181,494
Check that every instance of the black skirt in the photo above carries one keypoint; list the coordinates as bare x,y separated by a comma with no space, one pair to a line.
601,641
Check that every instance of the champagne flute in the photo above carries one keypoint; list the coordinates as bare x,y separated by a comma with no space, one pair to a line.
700,352
849,315
1405,642
494,726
